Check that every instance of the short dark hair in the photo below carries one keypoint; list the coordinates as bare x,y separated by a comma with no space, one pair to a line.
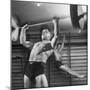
44,27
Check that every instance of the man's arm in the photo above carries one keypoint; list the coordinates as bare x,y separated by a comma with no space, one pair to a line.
55,33
15,33
60,49
23,37
49,52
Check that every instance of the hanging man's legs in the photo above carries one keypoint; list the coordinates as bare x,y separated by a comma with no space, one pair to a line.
71,72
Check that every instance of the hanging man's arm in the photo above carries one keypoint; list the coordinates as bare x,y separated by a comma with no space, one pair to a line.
62,46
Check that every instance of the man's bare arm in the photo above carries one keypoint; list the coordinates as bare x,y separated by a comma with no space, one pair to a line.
55,33
15,33
60,49
49,52
23,37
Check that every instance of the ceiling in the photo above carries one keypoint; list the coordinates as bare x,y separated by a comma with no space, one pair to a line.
32,11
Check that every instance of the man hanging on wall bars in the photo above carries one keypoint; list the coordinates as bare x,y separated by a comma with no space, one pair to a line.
57,53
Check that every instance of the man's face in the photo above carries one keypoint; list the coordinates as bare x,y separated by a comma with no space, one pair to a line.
46,35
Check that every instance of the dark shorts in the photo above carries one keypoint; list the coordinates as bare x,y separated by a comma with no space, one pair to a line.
58,63
34,69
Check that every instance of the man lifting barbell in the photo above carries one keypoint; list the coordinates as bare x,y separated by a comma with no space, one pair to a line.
39,55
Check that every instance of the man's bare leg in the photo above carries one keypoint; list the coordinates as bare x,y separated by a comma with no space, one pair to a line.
38,81
41,81
67,69
26,82
44,81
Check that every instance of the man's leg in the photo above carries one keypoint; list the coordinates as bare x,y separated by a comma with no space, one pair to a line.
67,69
44,81
41,81
26,82
38,81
